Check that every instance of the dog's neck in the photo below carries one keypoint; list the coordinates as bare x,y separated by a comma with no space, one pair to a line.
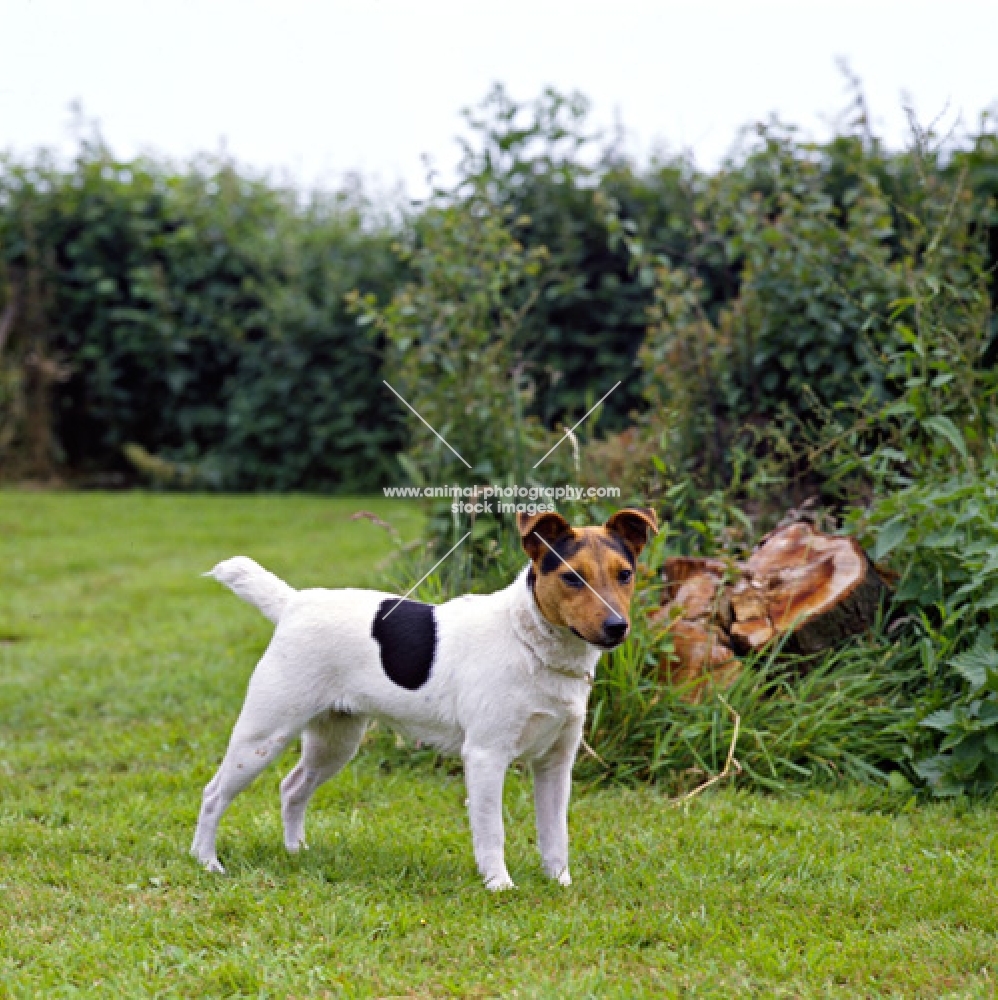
552,647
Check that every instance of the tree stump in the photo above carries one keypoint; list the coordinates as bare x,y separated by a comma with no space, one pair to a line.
800,586
694,614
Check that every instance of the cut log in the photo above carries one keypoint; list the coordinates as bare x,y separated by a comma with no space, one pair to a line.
753,633
677,570
748,601
700,659
819,588
698,602
693,584
800,586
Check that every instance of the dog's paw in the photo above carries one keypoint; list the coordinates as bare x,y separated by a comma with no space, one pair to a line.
499,883
563,877
559,872
296,847
212,864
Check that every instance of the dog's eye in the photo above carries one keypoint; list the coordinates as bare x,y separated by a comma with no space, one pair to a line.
573,580
625,576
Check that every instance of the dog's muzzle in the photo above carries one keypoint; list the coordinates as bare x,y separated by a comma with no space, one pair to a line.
613,632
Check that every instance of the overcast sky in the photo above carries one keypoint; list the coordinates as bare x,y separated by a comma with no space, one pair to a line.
319,89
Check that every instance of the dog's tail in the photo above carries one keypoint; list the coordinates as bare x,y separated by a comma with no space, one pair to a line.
255,585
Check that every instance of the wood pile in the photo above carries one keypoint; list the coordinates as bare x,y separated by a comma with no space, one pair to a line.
800,586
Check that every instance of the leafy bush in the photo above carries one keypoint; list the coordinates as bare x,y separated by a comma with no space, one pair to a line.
944,539
542,164
199,315
861,315
450,331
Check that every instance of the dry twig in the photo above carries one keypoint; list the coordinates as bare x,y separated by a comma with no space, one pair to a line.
592,753
366,515
730,765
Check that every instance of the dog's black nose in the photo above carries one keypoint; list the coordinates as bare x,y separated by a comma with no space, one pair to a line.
615,629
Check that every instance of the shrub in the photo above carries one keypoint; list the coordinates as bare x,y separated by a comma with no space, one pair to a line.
861,321
541,163
198,314
943,538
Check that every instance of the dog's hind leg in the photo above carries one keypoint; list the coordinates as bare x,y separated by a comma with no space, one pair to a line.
328,744
265,726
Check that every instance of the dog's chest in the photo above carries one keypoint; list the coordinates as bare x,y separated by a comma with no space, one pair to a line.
538,734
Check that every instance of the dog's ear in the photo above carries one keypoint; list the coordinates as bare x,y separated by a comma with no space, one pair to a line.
547,525
633,526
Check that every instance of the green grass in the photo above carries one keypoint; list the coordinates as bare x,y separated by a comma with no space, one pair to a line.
120,674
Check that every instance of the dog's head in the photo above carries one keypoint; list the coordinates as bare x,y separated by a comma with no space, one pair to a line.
583,578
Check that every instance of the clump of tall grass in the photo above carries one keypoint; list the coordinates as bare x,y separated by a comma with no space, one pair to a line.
841,716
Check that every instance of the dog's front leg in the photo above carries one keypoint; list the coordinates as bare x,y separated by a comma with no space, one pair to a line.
552,787
484,773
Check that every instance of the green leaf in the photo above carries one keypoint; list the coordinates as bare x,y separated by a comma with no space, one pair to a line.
989,713
943,427
973,664
943,720
891,535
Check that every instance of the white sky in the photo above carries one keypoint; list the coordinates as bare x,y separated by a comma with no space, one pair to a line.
318,89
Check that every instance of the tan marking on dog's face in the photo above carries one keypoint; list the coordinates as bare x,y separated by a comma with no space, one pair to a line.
587,582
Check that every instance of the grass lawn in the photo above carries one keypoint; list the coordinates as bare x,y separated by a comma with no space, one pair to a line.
120,674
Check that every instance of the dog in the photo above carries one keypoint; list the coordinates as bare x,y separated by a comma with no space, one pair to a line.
493,678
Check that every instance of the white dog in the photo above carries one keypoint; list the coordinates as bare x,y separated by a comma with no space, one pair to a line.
493,677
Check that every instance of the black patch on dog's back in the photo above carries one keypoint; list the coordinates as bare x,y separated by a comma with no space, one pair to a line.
406,631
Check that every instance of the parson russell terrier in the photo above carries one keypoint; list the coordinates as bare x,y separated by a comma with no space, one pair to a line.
493,677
